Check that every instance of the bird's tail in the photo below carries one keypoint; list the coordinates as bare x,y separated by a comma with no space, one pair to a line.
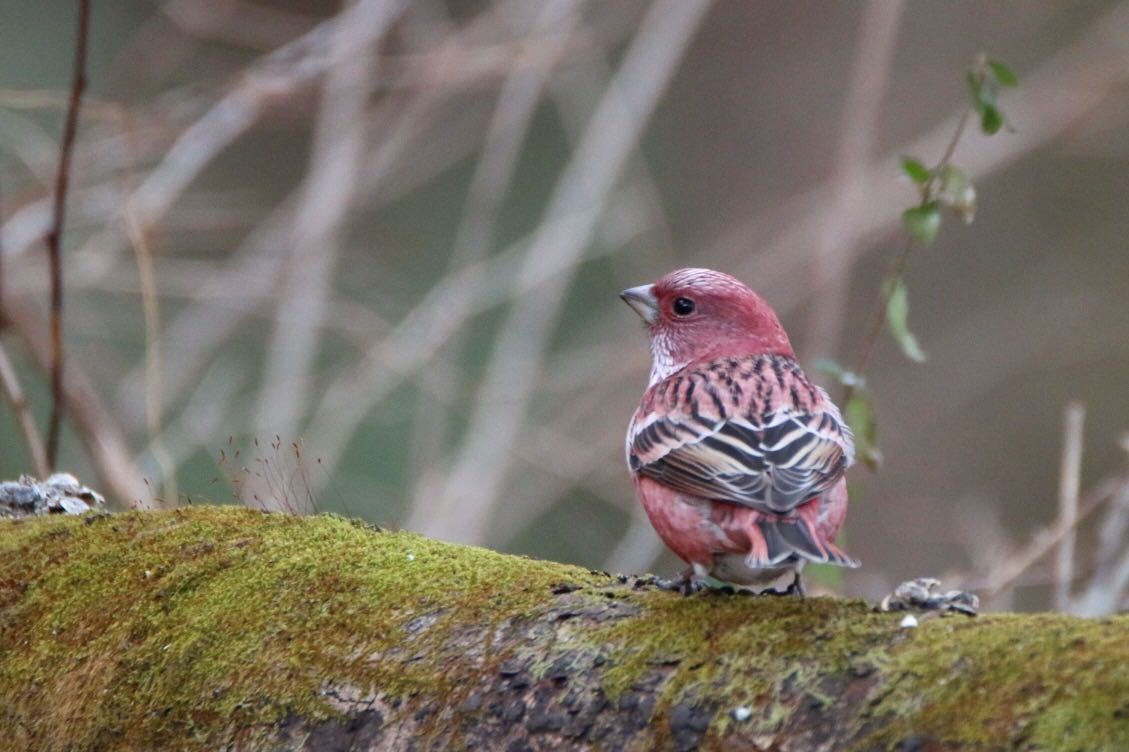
776,540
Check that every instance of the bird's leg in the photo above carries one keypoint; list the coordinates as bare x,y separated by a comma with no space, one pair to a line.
797,587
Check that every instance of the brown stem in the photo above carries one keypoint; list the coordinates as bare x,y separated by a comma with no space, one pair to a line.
55,234
897,270
10,384
94,426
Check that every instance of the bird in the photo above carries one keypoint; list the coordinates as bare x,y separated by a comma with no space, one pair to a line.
737,458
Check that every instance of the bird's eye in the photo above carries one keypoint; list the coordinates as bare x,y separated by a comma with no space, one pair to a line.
683,306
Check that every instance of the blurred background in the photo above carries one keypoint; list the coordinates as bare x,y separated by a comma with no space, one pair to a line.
364,258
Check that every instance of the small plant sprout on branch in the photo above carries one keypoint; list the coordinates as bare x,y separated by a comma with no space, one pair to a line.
943,187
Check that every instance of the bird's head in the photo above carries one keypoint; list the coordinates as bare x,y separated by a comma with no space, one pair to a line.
693,314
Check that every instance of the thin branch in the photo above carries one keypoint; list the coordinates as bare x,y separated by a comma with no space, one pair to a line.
13,390
427,327
55,234
1069,475
93,423
832,259
898,269
203,328
878,317
957,135
475,481
1112,538
10,383
3,322
280,73
1046,540
393,169
1068,89
513,114
150,302
1106,589
329,190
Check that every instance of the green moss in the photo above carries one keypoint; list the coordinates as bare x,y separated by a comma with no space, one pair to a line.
133,630
764,653
1055,681
178,629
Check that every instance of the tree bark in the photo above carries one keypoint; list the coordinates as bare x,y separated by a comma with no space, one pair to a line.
223,628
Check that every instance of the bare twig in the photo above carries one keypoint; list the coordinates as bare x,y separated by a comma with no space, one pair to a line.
279,73
55,234
832,258
393,169
637,207
1045,541
1112,539
3,322
898,269
93,424
328,192
475,480
422,332
139,237
10,383
516,105
203,327
1069,480
513,112
1065,90
1107,589
211,407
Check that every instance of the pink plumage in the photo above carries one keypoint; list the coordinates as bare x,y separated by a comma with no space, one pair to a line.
738,459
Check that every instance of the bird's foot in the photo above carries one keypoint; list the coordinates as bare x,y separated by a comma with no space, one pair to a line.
924,594
796,588
685,583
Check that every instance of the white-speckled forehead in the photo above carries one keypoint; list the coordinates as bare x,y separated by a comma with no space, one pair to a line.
701,279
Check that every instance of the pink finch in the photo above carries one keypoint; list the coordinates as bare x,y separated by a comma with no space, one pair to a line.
738,459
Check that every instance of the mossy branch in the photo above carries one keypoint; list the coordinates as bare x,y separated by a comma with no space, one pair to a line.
212,628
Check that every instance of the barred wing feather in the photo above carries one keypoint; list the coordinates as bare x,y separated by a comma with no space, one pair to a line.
772,462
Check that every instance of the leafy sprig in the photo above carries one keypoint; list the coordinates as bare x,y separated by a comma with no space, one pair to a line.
944,187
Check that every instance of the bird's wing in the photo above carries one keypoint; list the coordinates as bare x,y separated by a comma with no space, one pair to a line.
750,431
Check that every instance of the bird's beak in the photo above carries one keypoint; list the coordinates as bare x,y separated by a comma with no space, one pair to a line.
643,300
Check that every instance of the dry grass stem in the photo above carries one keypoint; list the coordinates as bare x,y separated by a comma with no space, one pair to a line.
1070,471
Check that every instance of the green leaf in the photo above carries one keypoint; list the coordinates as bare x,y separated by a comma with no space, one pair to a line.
915,170
859,414
1004,75
923,222
897,315
991,120
840,373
